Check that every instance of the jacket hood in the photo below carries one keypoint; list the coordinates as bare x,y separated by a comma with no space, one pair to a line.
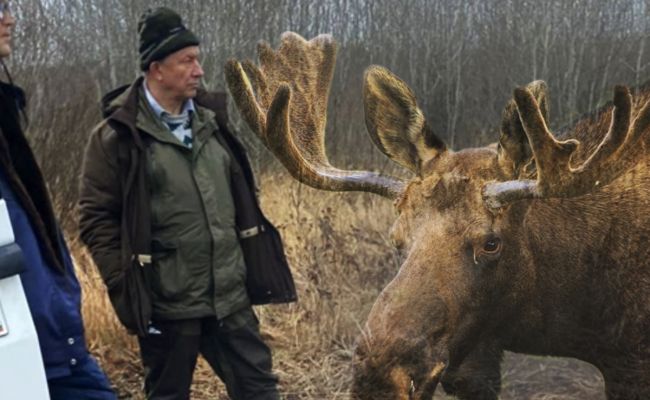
114,100
15,93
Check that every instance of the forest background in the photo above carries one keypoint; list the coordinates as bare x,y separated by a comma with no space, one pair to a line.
461,57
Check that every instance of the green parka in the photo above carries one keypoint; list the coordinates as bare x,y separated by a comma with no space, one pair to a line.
166,225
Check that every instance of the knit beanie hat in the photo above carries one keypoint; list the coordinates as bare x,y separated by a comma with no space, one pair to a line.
162,33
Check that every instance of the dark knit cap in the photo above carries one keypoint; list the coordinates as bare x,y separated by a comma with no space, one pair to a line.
162,33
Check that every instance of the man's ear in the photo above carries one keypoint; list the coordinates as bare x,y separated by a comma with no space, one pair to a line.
154,71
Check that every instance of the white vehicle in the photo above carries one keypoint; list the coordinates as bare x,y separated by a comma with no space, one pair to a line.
22,375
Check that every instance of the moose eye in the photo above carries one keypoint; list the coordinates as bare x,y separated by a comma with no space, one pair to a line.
488,251
492,245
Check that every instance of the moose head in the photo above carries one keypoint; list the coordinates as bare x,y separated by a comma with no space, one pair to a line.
502,244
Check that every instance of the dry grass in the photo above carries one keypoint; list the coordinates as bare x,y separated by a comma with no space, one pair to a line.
338,247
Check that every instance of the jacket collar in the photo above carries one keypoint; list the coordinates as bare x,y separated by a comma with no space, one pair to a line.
148,121
13,97
158,109
15,93
122,106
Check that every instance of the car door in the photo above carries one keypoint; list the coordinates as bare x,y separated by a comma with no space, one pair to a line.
22,375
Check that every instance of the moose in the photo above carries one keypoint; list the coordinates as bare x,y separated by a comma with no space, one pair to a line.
535,244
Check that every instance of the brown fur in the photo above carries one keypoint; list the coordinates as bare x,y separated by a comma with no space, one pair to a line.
566,276
572,277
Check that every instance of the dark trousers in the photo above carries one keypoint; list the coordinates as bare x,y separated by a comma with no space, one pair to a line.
232,346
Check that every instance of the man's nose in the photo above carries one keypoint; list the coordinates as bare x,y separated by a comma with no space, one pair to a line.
198,70
8,19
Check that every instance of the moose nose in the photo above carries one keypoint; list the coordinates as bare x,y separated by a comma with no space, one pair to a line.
428,383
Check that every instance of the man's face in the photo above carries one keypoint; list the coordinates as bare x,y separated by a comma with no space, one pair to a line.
180,72
7,23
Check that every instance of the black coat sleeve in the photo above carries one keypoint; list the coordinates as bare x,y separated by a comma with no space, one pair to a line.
100,204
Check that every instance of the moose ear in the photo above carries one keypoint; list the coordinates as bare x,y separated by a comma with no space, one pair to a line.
395,122
514,149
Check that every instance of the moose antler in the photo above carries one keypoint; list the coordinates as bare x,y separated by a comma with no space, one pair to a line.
284,101
556,177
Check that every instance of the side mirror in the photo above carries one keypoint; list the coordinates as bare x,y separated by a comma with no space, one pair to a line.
12,261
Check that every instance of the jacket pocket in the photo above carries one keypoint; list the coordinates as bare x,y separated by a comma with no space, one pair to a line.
130,296
169,280
268,278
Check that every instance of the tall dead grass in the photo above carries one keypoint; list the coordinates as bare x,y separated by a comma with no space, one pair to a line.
339,250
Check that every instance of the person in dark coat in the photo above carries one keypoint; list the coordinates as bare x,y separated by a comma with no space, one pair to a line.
49,281
169,213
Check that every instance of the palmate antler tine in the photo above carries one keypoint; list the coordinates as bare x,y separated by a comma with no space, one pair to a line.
326,73
552,157
630,150
318,173
617,133
556,177
249,108
258,81
291,122
639,127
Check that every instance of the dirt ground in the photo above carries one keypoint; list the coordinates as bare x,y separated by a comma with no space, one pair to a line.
546,378
524,378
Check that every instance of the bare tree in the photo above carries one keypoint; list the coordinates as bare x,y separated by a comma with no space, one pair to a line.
461,57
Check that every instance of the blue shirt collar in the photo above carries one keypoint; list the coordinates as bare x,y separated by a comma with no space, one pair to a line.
188,107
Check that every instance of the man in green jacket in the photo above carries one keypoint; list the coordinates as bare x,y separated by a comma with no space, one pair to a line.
168,211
